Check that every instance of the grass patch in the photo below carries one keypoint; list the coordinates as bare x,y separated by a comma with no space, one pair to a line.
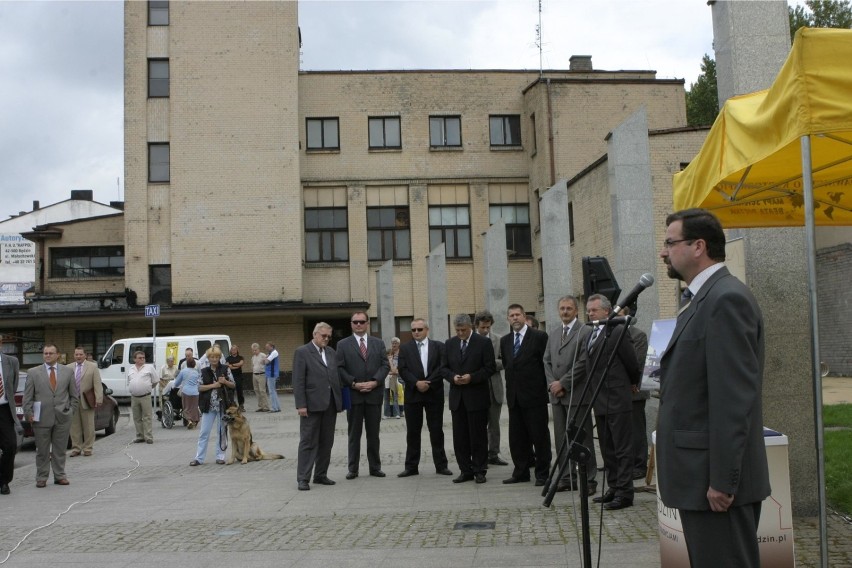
838,456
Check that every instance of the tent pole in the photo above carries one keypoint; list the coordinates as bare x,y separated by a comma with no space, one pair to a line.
810,241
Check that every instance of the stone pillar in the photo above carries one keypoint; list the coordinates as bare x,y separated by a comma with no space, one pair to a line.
631,192
437,281
384,301
496,275
752,40
555,239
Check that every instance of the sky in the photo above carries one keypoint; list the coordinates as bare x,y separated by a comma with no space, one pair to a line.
61,66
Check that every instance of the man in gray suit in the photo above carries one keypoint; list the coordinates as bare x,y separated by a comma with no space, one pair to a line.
565,370
9,425
52,386
316,390
483,322
363,365
711,455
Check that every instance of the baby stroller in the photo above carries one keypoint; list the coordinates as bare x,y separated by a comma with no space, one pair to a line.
171,406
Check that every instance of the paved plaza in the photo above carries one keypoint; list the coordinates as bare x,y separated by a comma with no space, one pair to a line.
134,505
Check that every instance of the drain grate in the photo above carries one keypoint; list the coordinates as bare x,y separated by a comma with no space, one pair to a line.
475,526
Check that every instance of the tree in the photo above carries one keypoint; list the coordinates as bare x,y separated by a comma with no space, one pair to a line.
821,14
702,99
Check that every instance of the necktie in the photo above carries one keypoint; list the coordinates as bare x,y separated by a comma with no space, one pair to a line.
517,346
363,349
463,347
52,379
322,356
78,376
594,336
564,333
685,299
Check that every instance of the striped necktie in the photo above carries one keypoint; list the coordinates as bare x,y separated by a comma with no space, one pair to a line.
78,376
363,349
517,346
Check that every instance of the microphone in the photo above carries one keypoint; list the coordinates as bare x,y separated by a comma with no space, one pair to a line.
645,281
618,320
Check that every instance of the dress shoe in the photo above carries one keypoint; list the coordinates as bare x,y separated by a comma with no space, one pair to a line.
262,410
479,477
540,482
463,477
87,452
220,462
149,441
4,489
377,473
62,481
514,479
352,475
41,483
566,485
443,471
618,503
639,474
74,453
323,481
605,498
138,440
194,463
497,461
408,473
593,488
303,486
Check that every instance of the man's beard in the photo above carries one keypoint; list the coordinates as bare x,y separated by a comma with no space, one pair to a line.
673,273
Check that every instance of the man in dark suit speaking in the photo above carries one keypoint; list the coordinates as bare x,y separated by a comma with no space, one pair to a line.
710,450
316,391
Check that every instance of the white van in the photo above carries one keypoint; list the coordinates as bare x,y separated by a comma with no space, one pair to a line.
119,357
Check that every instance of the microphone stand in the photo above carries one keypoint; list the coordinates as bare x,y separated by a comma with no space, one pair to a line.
575,450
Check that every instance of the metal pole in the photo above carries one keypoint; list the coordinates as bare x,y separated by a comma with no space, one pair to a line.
810,242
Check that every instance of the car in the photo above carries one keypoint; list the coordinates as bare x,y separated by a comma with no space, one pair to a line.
106,416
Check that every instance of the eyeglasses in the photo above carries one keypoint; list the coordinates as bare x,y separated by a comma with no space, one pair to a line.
325,335
668,243
417,329
359,322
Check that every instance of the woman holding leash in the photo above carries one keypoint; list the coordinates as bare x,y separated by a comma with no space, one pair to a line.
215,395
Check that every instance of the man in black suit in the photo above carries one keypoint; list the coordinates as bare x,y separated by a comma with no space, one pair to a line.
470,364
363,366
613,407
316,391
711,455
9,425
421,369
639,397
482,322
522,353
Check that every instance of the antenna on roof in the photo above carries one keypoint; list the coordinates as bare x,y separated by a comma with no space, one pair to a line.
538,42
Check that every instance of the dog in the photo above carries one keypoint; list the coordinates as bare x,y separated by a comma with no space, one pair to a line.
243,448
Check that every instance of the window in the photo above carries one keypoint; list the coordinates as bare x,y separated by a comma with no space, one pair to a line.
160,283
384,132
326,234
86,262
571,223
158,162
450,225
517,219
158,12
95,341
505,130
26,345
532,128
323,134
445,131
158,78
388,233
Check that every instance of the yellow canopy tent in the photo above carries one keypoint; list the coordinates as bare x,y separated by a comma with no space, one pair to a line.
783,157
749,171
